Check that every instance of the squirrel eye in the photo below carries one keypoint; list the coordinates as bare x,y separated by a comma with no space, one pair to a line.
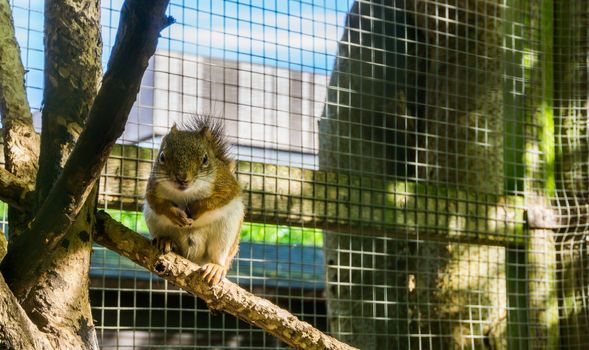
162,157
205,160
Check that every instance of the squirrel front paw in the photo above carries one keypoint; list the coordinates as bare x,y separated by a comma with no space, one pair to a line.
213,273
179,217
164,244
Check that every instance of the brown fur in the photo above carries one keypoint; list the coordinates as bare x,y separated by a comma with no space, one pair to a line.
234,249
225,189
165,207
183,153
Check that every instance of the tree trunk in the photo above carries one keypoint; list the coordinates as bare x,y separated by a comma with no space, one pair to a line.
436,87
464,145
571,122
55,294
464,127
371,121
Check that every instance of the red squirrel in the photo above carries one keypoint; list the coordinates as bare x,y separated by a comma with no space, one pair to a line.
193,202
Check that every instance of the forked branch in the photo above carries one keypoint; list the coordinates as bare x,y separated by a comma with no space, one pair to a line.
226,296
139,28
137,36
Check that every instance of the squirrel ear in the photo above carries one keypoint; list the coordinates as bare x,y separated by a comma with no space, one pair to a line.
174,128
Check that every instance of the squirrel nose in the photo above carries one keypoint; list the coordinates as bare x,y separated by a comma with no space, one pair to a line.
182,178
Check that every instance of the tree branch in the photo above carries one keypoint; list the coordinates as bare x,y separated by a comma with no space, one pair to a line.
15,191
72,73
226,296
139,28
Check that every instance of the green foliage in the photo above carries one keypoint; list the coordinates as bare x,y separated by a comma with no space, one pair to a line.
4,217
250,232
132,219
267,233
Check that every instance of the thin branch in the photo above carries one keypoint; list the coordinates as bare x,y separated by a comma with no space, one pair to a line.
139,28
226,296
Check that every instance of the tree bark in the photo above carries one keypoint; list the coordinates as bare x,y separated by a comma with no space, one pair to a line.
17,331
464,93
16,191
465,149
225,296
73,48
371,122
21,142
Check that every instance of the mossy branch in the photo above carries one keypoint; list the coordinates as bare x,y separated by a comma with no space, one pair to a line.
226,296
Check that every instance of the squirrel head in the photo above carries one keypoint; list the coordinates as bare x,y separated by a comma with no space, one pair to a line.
194,152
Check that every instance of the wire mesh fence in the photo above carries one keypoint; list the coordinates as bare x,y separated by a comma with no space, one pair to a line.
415,172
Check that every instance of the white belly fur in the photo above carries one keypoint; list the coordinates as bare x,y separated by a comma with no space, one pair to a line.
212,234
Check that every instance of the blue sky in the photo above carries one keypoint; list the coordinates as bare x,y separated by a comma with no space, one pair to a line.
300,35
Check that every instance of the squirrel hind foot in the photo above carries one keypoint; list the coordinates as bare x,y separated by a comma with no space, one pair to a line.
164,244
213,273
